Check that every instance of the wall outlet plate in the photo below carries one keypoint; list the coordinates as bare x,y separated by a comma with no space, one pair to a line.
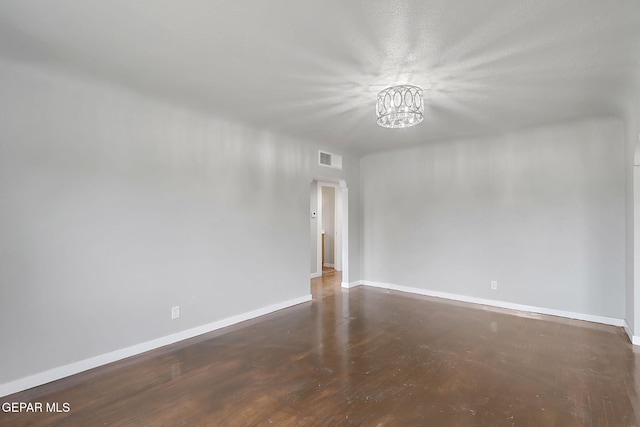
494,285
175,312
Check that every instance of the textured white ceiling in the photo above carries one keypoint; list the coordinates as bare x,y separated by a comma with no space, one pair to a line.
312,68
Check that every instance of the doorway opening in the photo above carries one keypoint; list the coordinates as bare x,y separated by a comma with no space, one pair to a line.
329,228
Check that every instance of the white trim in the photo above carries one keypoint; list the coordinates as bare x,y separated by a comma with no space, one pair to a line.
635,340
344,230
501,304
315,275
348,285
319,231
103,359
337,229
326,264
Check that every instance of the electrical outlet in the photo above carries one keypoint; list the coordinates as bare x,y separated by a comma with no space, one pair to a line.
494,285
175,312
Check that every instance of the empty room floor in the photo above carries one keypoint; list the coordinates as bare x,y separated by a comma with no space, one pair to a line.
365,357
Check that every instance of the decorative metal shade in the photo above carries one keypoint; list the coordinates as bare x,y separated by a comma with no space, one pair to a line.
400,106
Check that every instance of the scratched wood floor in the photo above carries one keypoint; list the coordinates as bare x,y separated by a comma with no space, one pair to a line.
365,357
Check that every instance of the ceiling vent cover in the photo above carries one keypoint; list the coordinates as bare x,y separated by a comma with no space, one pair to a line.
329,160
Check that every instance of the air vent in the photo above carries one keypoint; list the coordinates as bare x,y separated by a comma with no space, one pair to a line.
325,159
329,160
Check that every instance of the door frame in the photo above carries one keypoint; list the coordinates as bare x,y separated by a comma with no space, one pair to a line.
341,223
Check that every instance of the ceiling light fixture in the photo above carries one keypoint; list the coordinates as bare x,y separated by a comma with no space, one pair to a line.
400,106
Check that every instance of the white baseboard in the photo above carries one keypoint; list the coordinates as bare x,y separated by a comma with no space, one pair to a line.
315,275
501,304
348,285
326,264
103,359
635,340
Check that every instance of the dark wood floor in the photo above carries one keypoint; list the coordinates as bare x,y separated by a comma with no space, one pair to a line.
365,357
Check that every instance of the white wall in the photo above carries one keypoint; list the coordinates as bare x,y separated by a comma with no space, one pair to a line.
541,211
115,207
632,170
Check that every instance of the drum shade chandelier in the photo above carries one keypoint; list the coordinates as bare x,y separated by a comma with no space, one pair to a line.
400,106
